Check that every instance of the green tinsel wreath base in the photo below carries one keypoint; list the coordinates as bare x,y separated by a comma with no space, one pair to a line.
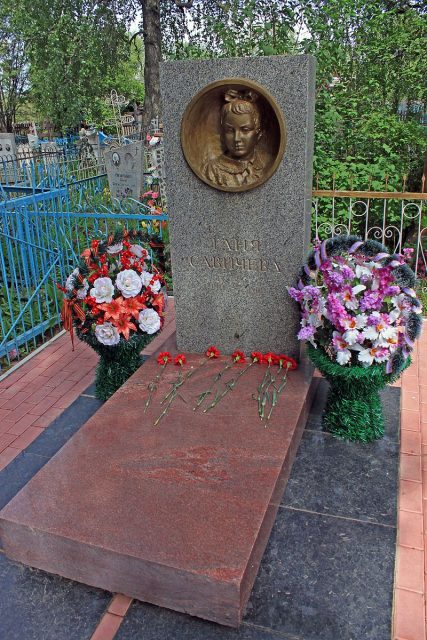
117,363
353,408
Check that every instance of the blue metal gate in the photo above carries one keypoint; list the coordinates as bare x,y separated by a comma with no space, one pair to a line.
42,234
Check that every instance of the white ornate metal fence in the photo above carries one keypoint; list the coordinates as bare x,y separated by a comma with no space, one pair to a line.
397,219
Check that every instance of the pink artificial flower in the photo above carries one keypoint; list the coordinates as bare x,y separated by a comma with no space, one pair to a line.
341,347
374,354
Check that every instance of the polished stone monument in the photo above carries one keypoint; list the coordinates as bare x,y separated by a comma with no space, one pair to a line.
238,154
178,513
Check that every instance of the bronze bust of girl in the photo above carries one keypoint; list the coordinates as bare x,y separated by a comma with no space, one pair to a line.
241,163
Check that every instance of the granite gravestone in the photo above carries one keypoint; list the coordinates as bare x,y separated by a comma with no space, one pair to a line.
7,146
125,170
236,245
8,153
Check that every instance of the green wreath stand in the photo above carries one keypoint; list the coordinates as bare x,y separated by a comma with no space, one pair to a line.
116,364
353,407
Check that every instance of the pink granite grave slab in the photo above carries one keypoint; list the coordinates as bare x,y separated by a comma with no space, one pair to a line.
177,514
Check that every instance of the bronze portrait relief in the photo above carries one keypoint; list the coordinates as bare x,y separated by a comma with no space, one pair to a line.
233,135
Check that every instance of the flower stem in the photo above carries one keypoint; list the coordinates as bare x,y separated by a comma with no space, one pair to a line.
278,391
203,395
266,382
171,396
152,387
175,386
229,386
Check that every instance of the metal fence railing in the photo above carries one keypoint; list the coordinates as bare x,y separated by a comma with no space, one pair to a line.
397,219
38,249
50,209
48,214
44,172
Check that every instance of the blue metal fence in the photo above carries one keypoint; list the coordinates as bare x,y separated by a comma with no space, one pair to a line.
47,218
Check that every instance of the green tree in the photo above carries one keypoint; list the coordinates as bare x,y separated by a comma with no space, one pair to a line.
371,60
206,28
13,69
73,46
127,79
231,28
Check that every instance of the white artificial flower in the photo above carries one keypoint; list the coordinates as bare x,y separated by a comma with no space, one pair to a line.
394,315
351,336
377,354
358,288
146,278
401,302
343,356
139,251
129,283
366,356
355,322
391,342
69,280
341,347
352,325
149,321
107,334
349,297
103,290
82,291
362,271
115,248
380,332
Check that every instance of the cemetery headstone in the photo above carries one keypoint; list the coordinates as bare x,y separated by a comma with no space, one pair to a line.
8,153
239,189
125,170
238,158
7,146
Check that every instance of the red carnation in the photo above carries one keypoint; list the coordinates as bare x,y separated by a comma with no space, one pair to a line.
164,358
256,356
269,358
238,356
292,362
180,359
212,352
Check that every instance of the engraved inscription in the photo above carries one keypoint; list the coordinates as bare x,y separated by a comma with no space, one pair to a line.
235,244
235,258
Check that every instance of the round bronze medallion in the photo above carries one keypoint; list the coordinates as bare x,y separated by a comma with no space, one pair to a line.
233,135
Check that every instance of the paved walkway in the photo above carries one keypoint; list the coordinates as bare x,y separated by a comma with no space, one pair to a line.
38,391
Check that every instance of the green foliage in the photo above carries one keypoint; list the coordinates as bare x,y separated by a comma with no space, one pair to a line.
116,364
229,29
74,48
13,68
371,60
127,78
353,407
